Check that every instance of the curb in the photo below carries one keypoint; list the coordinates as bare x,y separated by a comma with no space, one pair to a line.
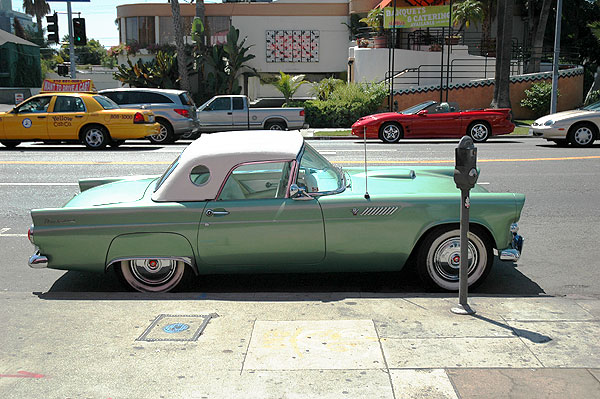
503,137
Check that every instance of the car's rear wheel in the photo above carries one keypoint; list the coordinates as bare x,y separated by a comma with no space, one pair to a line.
10,143
439,258
582,135
95,137
276,125
479,131
390,132
152,275
165,134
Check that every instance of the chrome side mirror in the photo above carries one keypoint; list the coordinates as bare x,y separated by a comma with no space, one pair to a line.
299,193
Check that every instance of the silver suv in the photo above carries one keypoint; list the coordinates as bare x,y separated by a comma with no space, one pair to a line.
174,110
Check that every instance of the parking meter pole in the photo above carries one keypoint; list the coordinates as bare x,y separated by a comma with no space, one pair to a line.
463,272
465,177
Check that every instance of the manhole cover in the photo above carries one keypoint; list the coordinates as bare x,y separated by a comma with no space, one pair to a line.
174,327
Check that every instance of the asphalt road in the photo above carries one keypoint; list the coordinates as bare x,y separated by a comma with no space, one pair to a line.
560,221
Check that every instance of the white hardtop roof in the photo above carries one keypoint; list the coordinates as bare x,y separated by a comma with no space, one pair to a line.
221,152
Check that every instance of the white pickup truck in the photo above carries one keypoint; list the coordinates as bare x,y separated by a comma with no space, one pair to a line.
231,112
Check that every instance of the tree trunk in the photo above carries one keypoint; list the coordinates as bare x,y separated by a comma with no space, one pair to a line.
184,83
201,13
38,21
503,54
536,34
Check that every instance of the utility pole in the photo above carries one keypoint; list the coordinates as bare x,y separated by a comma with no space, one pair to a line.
71,42
554,97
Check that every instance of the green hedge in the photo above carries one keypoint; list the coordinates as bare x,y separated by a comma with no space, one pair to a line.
345,105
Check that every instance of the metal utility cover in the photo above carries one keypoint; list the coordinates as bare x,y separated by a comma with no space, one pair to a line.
175,327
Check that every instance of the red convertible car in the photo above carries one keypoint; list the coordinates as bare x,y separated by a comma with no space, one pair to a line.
435,120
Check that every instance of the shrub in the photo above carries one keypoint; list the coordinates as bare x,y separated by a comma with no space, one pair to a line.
325,87
537,98
345,105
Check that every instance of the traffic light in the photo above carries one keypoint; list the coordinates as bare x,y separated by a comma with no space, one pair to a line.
63,70
52,28
79,37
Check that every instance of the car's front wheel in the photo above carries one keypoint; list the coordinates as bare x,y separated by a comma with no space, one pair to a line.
439,258
479,131
390,132
582,135
152,275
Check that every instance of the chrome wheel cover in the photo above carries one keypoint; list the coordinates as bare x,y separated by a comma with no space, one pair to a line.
443,259
479,132
153,271
583,135
391,133
94,137
161,135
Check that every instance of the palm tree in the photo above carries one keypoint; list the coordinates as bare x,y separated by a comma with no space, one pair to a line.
288,84
181,56
503,54
536,33
467,12
37,8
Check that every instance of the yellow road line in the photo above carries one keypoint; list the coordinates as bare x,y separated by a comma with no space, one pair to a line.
435,161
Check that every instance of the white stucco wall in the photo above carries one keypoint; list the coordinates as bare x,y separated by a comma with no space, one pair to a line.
333,43
371,64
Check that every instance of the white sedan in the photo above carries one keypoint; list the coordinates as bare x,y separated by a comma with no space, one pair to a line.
579,127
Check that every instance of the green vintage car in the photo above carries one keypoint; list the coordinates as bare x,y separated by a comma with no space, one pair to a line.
266,201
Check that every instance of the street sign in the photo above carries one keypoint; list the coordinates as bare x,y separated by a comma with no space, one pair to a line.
416,17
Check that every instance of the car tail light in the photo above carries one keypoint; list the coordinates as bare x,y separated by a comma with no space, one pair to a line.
183,112
302,112
138,118
30,234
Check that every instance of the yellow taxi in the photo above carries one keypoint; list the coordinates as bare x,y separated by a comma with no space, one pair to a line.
89,118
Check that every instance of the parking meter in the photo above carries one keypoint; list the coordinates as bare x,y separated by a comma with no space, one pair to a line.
465,177
465,168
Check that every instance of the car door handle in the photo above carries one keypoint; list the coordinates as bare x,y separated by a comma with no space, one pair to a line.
230,113
78,116
211,212
41,117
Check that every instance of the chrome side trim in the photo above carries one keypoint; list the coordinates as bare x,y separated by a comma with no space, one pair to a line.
185,259
38,261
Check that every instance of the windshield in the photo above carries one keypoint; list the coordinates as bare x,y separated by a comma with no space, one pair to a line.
416,108
592,107
317,175
106,102
165,175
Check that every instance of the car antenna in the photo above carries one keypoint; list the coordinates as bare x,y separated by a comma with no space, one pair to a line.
367,196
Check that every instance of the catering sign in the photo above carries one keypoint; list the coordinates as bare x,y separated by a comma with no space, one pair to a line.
416,17
71,85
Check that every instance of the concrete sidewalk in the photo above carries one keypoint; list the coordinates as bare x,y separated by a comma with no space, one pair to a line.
290,345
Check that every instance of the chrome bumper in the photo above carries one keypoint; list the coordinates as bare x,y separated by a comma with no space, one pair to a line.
38,261
513,253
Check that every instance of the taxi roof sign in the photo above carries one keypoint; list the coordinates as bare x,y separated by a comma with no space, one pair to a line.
68,86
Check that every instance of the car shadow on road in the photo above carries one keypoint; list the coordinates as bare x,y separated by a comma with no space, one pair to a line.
73,148
567,147
504,280
437,141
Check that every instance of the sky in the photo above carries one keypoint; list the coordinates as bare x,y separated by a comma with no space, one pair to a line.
99,17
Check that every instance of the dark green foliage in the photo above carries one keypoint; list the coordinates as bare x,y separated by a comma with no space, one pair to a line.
162,72
592,97
537,98
93,53
346,104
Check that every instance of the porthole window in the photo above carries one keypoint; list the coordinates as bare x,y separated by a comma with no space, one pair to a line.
200,175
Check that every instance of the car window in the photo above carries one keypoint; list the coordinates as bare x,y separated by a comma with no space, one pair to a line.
238,103
106,102
186,99
416,108
35,105
316,174
257,181
220,104
167,173
68,104
152,98
119,97
200,175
